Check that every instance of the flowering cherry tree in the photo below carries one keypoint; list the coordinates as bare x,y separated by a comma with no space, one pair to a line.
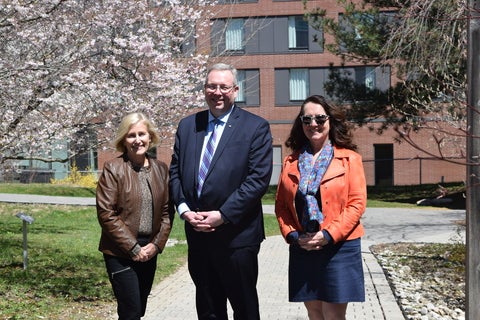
73,68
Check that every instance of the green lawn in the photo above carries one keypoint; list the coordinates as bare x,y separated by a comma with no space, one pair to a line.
65,269
47,189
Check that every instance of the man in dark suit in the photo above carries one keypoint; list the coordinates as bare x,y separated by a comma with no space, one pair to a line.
222,209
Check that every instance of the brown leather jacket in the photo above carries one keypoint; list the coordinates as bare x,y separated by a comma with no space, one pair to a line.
118,202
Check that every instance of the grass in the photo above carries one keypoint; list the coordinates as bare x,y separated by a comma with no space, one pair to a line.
47,189
65,270
66,273
407,196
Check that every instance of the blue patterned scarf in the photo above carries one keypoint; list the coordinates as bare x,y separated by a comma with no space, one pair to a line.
310,178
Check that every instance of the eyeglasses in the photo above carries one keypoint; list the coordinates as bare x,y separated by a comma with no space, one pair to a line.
319,119
223,89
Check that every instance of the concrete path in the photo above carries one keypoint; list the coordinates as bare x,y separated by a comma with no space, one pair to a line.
174,297
30,198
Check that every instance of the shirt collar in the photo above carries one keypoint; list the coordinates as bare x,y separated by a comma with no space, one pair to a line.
223,118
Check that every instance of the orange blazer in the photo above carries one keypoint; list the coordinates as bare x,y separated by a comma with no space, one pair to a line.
343,193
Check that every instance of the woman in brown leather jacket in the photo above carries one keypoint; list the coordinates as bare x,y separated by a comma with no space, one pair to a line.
320,199
133,211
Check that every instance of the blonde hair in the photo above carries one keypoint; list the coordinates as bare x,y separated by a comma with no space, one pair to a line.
127,122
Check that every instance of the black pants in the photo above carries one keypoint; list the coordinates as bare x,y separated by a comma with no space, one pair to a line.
131,282
220,274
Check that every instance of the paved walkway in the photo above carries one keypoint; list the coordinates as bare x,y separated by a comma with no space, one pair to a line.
174,297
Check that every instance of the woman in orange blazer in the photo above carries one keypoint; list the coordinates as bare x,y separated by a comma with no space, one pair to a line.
320,199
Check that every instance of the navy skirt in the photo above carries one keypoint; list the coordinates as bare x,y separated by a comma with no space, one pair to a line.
333,274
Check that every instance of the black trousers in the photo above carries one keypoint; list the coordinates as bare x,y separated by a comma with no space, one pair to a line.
131,283
222,273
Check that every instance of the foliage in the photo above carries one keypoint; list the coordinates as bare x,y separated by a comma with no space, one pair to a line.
424,42
70,69
78,178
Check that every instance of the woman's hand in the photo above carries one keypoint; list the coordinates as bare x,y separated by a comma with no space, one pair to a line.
312,241
146,253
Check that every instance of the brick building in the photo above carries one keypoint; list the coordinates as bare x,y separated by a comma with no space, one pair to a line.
279,65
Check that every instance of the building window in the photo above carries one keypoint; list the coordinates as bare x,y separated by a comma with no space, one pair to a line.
370,78
292,86
297,33
188,45
248,81
264,35
355,25
298,84
234,35
241,86
277,164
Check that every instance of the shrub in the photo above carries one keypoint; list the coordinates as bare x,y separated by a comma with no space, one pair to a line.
78,178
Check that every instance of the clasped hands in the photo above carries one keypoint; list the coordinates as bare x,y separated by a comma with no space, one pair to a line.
146,253
203,221
312,241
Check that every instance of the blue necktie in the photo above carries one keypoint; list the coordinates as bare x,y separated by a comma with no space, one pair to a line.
207,156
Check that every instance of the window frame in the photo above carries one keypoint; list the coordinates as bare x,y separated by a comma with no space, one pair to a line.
298,84
235,35
297,33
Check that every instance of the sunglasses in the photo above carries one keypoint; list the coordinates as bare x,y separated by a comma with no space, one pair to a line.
319,119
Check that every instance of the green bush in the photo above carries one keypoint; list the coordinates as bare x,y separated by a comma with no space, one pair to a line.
77,178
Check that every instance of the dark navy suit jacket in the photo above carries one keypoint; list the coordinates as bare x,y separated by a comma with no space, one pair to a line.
238,177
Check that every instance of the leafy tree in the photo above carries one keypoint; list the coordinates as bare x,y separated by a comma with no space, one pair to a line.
70,69
425,43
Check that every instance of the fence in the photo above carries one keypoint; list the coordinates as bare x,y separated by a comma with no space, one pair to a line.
414,171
